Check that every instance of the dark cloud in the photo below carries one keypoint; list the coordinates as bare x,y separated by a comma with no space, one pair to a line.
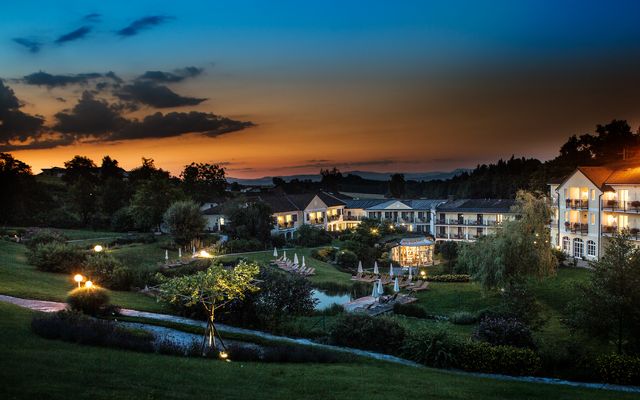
32,45
154,95
90,117
168,77
42,78
61,99
93,17
141,24
74,35
160,125
15,124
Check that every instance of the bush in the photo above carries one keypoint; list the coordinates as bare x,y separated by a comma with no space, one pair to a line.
504,331
463,318
432,349
347,259
75,327
326,254
365,332
619,369
308,236
482,357
108,271
44,236
122,220
409,310
57,257
185,221
91,301
449,278
243,245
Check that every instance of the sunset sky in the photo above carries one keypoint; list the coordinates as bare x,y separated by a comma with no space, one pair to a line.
361,85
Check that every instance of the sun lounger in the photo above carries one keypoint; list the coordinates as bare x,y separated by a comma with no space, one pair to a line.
421,287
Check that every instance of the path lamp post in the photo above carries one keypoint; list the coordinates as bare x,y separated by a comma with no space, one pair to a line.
78,278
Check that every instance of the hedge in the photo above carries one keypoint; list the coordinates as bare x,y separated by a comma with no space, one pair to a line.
619,369
449,278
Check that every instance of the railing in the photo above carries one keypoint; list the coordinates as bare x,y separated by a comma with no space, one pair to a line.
621,206
352,218
468,222
611,230
331,218
577,203
442,235
316,221
577,227
286,225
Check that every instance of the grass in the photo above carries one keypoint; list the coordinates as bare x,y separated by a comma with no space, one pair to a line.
142,256
32,367
325,272
19,279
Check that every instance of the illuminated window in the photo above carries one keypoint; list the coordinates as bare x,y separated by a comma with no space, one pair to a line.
593,194
578,247
565,244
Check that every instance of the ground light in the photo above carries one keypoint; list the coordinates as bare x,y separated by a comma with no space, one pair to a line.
223,355
205,254
97,248
78,278
88,284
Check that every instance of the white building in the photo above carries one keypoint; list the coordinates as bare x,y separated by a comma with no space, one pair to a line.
591,205
469,219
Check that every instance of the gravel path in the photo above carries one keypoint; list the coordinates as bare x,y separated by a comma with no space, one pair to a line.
183,337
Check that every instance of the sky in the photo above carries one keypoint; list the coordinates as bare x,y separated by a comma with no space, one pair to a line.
288,87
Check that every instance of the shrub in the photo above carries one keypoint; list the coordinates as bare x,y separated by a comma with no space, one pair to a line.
326,254
482,357
57,257
463,318
619,369
74,327
108,271
432,349
334,309
243,245
92,301
410,310
308,236
184,221
504,331
44,236
347,259
449,278
368,333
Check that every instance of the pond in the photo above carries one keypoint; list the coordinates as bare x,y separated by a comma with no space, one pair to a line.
326,300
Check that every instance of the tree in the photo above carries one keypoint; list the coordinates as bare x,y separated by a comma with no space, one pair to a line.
519,250
146,172
79,167
204,182
397,186
449,250
249,220
83,194
209,289
185,221
109,169
607,304
18,186
330,179
151,200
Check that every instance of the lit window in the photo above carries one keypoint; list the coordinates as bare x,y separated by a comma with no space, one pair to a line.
578,247
593,194
565,244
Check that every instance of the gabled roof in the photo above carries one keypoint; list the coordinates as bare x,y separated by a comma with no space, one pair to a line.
625,176
425,204
214,210
397,205
330,200
597,175
478,205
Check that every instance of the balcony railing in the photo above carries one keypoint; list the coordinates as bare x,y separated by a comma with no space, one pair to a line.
332,218
577,227
467,222
577,203
352,217
286,225
611,230
621,206
316,221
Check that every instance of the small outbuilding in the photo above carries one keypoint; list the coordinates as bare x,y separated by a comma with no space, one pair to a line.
413,252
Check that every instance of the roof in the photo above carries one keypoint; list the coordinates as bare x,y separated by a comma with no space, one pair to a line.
621,173
597,175
624,176
297,202
425,204
279,203
214,210
478,205
363,203
330,200
384,205
420,241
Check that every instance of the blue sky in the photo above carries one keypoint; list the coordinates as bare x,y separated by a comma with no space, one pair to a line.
312,73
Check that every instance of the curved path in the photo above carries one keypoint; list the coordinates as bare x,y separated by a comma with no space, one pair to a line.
52,306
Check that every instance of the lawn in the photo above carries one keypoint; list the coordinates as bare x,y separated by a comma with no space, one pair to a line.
32,367
19,279
324,272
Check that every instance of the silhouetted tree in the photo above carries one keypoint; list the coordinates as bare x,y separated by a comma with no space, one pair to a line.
204,182
397,186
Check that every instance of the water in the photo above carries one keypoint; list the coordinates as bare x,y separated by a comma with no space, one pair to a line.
327,300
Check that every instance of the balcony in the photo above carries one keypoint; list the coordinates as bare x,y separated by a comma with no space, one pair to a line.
332,218
612,230
576,227
621,206
352,218
577,204
286,225
316,221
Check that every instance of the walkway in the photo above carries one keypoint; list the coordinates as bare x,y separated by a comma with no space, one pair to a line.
52,306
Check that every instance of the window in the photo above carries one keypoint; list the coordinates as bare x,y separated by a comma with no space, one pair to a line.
593,194
593,218
591,248
565,244
578,248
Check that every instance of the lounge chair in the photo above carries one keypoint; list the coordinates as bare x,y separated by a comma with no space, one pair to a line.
419,288
357,277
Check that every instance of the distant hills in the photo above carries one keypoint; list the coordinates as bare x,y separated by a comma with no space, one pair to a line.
374,176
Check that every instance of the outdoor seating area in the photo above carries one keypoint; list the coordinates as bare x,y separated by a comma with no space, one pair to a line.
292,266
403,282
